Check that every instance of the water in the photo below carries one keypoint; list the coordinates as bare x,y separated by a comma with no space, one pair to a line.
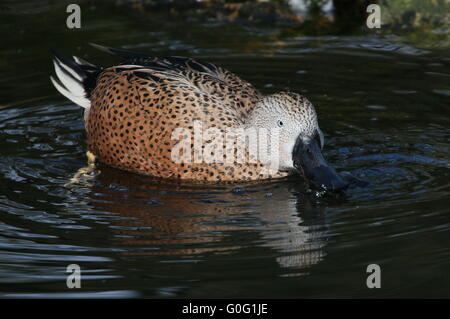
383,104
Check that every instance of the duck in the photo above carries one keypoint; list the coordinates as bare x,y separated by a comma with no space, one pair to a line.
182,119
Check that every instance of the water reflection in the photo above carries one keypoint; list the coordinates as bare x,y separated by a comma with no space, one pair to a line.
170,219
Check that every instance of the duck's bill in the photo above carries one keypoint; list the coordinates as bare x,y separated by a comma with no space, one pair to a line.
308,159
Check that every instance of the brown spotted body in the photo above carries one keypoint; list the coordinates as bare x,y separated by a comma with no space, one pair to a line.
134,109
134,113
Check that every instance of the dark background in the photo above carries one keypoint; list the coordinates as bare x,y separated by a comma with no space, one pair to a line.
382,96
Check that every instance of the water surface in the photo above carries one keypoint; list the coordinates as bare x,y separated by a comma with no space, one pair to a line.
383,103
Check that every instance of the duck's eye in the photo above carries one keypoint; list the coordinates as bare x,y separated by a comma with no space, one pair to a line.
280,123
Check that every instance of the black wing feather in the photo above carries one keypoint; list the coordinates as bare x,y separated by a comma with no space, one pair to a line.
174,63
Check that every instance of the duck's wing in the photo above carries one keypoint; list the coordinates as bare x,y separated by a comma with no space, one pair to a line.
207,77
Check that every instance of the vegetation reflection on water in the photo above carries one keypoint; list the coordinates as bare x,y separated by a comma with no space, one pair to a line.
382,100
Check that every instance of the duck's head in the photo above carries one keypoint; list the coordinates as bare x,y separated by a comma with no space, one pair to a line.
300,138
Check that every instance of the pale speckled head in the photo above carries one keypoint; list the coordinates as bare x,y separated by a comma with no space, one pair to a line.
301,139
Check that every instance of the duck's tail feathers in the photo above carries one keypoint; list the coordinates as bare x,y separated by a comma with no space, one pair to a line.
75,78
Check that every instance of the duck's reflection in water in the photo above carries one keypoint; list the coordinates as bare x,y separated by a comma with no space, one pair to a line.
156,218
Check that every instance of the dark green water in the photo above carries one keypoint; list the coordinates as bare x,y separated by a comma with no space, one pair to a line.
383,103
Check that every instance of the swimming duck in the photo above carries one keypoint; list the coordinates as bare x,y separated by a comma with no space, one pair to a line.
138,114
